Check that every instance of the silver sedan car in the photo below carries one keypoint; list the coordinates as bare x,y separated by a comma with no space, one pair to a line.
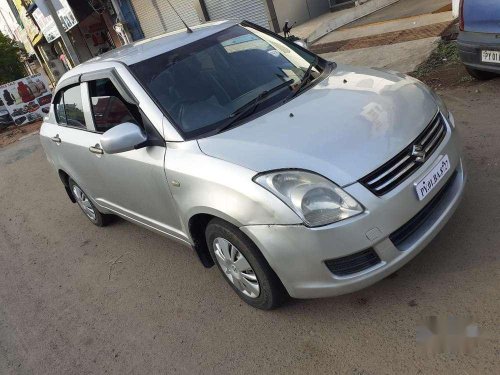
295,176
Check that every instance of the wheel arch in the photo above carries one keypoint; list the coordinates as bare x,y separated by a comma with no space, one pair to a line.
196,225
65,180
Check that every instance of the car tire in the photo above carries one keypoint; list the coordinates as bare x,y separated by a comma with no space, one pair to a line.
87,206
481,74
244,280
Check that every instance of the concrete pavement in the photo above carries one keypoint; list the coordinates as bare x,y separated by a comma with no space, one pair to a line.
387,27
370,12
399,44
400,36
318,27
402,57
70,305
400,10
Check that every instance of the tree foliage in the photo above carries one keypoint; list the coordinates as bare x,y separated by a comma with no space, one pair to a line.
11,68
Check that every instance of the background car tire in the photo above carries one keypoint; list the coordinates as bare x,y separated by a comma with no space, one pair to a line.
272,293
97,218
480,74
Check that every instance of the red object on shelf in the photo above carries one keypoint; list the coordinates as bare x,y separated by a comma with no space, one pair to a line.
25,92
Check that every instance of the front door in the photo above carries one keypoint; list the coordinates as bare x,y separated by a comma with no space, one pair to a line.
133,183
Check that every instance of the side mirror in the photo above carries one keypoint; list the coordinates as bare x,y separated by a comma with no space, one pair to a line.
123,137
301,43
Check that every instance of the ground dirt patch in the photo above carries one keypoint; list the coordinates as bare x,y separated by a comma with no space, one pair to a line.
13,133
443,69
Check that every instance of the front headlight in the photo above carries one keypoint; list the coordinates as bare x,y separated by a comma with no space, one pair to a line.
315,199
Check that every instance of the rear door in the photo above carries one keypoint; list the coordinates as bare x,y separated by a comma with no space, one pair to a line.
71,137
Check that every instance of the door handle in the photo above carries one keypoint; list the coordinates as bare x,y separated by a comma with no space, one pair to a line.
96,149
56,139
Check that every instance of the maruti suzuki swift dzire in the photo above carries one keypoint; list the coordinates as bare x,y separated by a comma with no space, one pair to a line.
294,175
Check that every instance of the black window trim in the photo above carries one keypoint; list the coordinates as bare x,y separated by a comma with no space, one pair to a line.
77,80
129,98
155,138
113,75
127,104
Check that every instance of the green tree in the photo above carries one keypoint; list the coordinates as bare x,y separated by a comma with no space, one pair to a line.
11,68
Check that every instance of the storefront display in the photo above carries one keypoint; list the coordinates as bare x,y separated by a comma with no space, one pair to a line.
47,24
27,99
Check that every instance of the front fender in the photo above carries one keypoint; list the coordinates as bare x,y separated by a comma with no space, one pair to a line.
201,184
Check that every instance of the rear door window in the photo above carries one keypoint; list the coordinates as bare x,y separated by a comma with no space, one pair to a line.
69,108
108,107
73,107
59,108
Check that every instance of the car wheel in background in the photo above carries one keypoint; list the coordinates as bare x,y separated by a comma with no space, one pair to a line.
481,74
243,266
87,206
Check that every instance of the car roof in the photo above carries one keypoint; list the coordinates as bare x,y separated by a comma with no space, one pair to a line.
147,48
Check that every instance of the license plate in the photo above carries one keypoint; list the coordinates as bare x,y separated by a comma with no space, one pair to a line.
491,56
431,180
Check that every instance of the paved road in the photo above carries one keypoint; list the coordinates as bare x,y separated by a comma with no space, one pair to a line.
63,310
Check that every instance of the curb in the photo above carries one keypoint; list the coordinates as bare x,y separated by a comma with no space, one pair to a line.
355,13
393,37
28,135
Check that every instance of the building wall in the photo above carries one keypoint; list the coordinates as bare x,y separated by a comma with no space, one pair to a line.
157,16
299,11
456,6
237,10
127,15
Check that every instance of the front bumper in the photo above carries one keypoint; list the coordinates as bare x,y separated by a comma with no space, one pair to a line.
298,253
471,45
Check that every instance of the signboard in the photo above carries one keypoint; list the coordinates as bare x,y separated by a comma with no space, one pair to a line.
27,99
46,23
5,119
31,28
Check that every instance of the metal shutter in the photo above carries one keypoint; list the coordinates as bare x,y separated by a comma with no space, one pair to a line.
238,10
157,17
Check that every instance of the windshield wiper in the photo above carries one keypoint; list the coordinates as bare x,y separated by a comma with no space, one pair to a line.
305,79
249,108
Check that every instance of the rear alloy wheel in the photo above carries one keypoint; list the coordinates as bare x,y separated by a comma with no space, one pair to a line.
481,74
243,266
87,206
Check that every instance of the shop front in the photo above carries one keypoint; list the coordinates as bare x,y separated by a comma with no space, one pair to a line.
158,17
89,25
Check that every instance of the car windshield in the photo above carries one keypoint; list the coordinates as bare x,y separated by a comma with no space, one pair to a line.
202,85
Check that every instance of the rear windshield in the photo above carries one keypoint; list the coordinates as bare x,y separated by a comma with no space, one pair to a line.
201,84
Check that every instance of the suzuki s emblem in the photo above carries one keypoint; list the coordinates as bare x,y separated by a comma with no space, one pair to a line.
418,153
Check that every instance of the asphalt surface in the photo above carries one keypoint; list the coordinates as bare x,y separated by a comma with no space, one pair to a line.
76,299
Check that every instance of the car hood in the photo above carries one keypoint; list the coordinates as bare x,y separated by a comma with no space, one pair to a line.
344,127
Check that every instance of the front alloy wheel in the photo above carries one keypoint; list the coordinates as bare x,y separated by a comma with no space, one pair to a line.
243,266
236,267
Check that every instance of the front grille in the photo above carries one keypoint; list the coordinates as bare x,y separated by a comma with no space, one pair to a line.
400,235
398,169
353,263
